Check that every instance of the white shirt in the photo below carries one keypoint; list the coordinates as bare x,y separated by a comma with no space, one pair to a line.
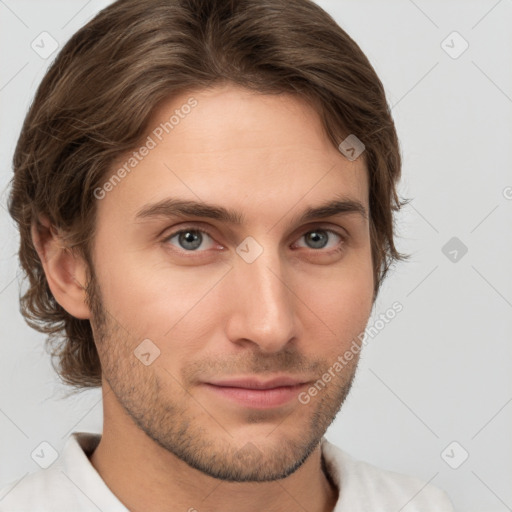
71,484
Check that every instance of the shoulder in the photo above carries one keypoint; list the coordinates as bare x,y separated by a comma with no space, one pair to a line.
364,486
69,484
33,491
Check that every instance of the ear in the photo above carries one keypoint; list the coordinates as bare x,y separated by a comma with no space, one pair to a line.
66,273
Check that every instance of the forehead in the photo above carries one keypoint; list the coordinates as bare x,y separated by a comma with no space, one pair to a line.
228,145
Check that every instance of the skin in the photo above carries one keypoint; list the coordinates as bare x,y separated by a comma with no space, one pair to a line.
168,440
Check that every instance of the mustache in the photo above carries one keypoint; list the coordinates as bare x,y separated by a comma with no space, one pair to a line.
255,363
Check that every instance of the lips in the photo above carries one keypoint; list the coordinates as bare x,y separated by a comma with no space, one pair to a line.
255,393
252,383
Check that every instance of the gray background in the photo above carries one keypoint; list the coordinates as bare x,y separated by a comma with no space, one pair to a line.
439,372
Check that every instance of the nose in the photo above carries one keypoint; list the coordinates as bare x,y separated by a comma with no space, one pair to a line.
263,305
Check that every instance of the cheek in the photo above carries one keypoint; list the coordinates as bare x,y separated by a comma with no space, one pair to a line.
343,303
152,298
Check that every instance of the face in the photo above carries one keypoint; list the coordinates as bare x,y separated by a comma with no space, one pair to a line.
194,309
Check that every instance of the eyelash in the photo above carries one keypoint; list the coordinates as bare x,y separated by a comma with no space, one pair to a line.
186,229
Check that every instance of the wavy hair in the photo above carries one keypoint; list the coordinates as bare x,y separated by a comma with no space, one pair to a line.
94,103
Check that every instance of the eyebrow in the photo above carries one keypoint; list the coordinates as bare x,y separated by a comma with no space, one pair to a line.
174,207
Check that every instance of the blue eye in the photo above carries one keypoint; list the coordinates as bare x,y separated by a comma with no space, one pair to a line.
189,239
192,239
318,238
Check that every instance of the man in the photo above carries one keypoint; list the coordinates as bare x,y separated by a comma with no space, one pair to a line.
205,193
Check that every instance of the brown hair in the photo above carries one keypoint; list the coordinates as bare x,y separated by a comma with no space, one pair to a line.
94,103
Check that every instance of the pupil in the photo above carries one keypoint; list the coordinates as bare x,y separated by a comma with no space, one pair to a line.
191,239
318,239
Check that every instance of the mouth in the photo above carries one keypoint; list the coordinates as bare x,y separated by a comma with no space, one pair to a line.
257,394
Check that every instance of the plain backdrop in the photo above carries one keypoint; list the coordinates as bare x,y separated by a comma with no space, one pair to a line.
434,385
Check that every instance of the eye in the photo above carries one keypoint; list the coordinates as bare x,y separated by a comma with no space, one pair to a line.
318,238
189,239
197,240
